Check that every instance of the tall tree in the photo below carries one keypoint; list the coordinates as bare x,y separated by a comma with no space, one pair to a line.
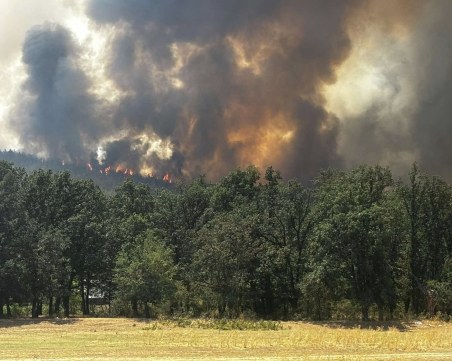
85,228
11,213
286,226
353,237
428,205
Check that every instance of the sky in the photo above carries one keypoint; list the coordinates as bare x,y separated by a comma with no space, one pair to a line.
203,87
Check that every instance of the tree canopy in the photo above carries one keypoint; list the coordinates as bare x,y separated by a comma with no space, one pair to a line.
354,243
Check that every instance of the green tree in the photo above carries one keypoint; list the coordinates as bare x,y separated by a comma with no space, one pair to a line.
145,273
43,264
286,226
86,230
428,205
129,217
179,214
353,238
11,213
227,262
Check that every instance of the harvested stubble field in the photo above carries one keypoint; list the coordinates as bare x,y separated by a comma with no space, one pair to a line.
134,340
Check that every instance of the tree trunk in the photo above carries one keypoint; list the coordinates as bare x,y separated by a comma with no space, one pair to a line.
417,298
8,309
407,303
56,308
365,313
87,296
66,306
147,311
50,306
34,308
319,307
380,313
221,308
82,296
1,310
134,308
66,298
39,308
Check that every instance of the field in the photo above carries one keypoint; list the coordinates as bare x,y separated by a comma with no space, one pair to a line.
134,340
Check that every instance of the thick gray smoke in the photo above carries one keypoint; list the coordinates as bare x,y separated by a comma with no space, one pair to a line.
229,83
432,121
225,114
410,117
57,112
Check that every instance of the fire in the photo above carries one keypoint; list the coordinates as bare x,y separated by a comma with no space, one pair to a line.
167,178
121,170
128,171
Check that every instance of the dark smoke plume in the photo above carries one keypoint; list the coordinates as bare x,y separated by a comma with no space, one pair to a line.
229,83
432,122
226,114
57,117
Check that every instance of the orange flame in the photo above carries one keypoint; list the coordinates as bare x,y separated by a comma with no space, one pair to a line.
167,178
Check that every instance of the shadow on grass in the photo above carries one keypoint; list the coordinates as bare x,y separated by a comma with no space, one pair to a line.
367,325
19,322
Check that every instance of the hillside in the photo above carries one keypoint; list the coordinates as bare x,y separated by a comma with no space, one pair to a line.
107,180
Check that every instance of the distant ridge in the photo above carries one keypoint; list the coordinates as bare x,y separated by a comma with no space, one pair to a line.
106,181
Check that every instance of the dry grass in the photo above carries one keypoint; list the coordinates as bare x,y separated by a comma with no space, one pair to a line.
119,339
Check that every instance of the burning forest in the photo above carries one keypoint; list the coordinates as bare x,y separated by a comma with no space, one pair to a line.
164,87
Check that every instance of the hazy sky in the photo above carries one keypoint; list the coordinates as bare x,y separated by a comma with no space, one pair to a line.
203,86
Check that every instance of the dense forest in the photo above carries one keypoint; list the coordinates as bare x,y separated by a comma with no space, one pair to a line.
354,243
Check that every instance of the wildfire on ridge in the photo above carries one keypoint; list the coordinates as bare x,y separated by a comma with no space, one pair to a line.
167,178
122,169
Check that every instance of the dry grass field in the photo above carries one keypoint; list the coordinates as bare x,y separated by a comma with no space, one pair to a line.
134,340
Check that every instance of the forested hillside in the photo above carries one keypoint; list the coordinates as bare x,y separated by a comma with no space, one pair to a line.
106,177
356,243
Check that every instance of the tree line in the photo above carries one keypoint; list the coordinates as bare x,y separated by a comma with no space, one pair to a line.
353,242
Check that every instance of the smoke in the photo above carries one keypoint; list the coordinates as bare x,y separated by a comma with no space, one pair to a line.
432,119
57,111
191,87
230,83
400,109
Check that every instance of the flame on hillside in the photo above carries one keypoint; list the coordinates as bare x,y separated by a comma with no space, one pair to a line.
121,169
167,178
